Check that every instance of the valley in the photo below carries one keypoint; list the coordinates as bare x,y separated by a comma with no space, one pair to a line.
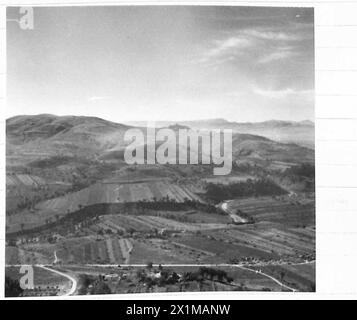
119,228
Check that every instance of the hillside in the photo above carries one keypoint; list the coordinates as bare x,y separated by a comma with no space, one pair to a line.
257,147
44,135
39,137
299,132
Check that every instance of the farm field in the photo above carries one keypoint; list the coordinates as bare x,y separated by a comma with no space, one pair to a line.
271,239
17,180
155,222
288,211
142,223
161,251
82,250
281,165
129,222
300,276
95,194
46,283
109,250
228,179
204,217
42,277
222,250
16,256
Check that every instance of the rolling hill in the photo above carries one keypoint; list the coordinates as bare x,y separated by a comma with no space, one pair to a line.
33,138
299,132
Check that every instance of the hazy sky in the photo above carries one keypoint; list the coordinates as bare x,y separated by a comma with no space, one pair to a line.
163,63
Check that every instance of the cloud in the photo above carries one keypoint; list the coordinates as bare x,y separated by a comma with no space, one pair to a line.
229,44
240,42
278,54
225,47
283,93
272,35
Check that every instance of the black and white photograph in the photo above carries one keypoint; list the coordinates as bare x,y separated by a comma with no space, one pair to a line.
159,149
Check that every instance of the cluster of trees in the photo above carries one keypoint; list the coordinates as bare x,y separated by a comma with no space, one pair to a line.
87,215
170,204
166,277
303,175
51,162
207,273
12,288
26,197
249,188
93,285
177,217
304,170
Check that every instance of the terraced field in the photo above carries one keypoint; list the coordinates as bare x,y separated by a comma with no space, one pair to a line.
163,251
271,239
16,255
222,250
228,179
18,180
82,250
98,193
144,223
288,211
110,250
163,223
125,222
112,193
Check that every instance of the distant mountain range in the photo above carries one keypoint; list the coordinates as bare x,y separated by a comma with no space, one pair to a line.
40,136
299,132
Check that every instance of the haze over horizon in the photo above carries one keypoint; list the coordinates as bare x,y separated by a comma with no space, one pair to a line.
172,63
173,121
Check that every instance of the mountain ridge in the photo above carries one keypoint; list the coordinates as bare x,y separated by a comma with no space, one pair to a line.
95,137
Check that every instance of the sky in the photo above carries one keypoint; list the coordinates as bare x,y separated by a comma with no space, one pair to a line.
139,63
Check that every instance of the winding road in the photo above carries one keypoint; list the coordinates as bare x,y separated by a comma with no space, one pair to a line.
72,279
236,218
268,276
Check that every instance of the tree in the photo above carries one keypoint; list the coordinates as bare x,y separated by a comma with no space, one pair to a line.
140,274
282,275
100,287
149,265
12,288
